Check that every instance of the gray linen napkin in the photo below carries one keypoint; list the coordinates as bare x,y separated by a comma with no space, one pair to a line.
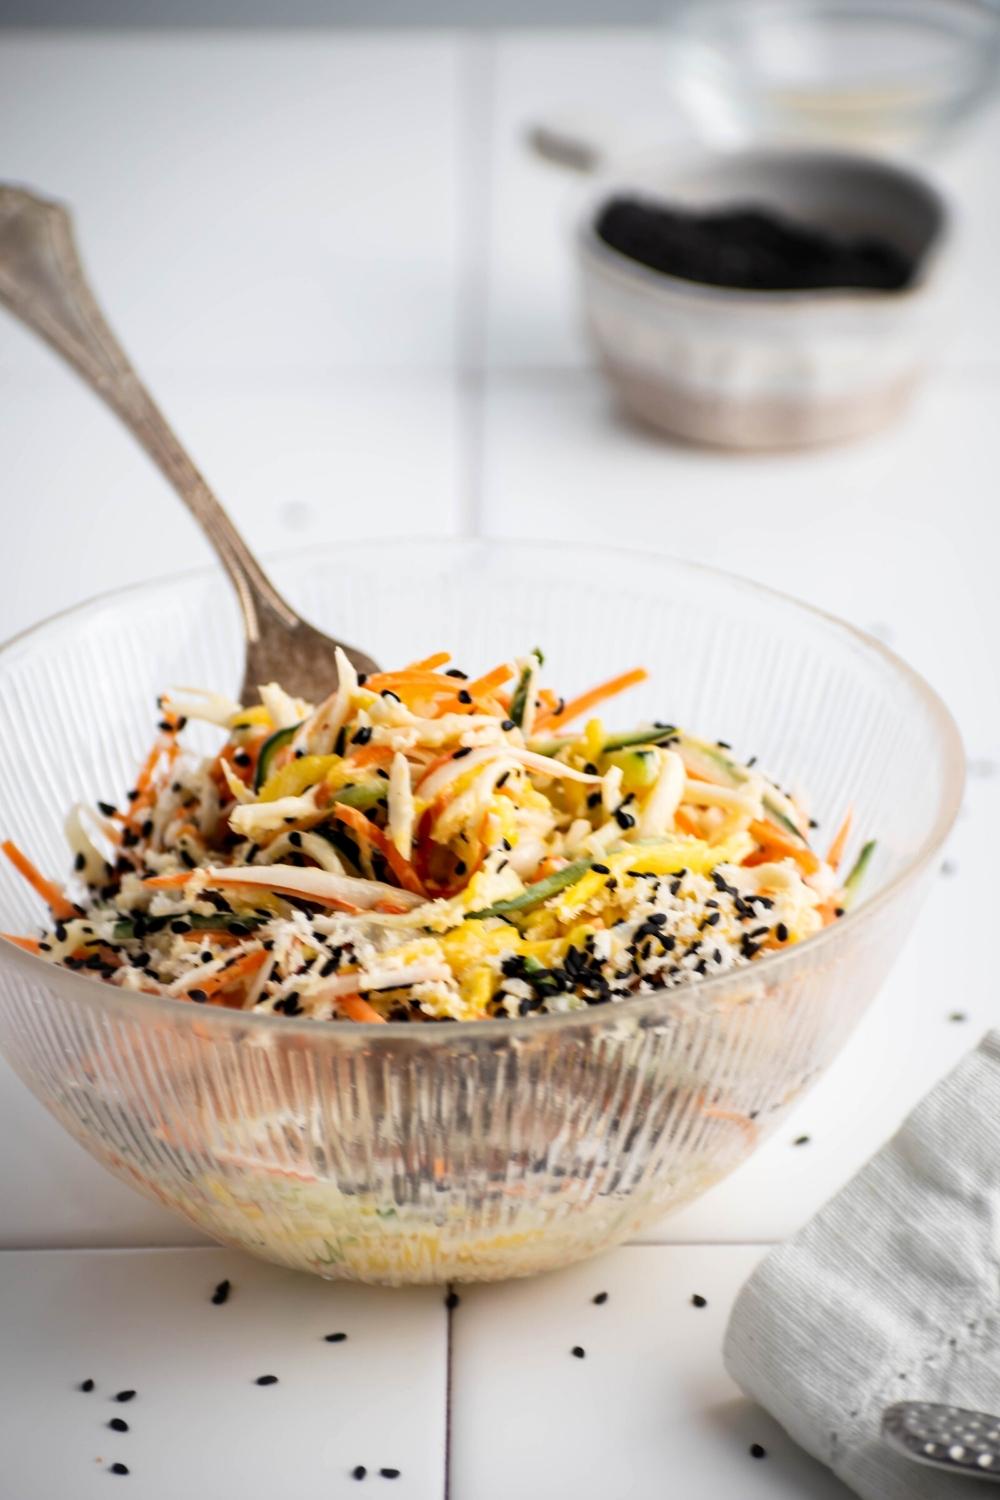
891,1293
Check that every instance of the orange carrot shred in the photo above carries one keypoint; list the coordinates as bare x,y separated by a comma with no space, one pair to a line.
836,853
590,699
400,867
29,944
357,1009
773,840
430,663
53,895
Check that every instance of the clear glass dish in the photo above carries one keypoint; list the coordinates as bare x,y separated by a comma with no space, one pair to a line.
894,75
423,1153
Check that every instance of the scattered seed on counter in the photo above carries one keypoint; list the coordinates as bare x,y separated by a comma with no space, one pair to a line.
334,1338
119,1468
958,1015
452,1301
698,1300
578,1352
221,1293
949,867
359,1471
86,1385
600,1299
125,1396
118,1424
801,1140
757,1450
389,1473
266,1380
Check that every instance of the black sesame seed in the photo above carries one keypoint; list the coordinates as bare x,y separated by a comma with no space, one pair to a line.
698,1300
464,696
295,839
508,724
125,1396
757,1451
958,1015
221,1293
362,678
119,1469
241,758
781,933
600,1299
578,1352
334,1338
86,1385
118,1424
107,808
388,693
461,754
452,1301
180,926
198,996
601,869
359,1471
389,1473
165,726
79,862
594,799
266,1380
801,1140
723,745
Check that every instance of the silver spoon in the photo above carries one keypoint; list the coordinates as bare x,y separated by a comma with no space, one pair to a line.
945,1437
42,283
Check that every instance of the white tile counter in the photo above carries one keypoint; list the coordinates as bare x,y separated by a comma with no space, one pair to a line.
349,284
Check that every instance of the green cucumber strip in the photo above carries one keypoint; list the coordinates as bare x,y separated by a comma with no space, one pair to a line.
535,894
267,751
200,922
649,736
519,702
857,872
363,795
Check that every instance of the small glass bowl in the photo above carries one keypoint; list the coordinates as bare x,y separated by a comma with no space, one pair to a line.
889,75
426,1153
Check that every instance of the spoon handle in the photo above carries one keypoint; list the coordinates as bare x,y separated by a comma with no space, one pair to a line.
42,282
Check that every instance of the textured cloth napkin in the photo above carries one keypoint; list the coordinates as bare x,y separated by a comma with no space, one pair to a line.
891,1293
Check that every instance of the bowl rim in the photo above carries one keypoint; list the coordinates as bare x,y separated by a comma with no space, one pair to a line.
619,177
703,992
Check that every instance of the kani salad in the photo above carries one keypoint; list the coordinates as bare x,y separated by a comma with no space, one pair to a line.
423,846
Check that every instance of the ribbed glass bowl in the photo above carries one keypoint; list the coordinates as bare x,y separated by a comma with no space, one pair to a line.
423,1153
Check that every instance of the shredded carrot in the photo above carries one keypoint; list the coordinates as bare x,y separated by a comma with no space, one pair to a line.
370,755
479,687
169,882
53,895
774,841
29,944
590,699
685,823
247,964
429,663
357,1009
836,852
400,867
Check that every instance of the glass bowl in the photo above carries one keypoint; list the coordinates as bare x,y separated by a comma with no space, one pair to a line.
894,75
401,1153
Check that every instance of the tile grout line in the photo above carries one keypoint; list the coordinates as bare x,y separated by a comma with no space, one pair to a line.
475,153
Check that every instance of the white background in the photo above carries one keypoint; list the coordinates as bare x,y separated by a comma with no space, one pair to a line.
350,286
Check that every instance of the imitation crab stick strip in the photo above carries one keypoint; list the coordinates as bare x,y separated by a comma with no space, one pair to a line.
773,840
53,895
590,699
356,1009
363,829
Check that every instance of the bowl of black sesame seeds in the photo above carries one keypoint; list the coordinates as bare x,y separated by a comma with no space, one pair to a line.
433,1153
